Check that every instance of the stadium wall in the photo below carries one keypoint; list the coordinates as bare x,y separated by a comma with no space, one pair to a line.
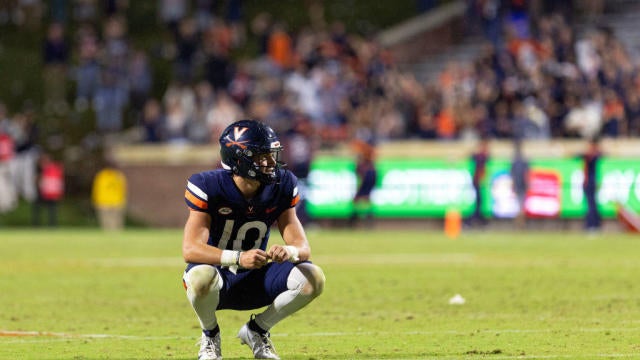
157,177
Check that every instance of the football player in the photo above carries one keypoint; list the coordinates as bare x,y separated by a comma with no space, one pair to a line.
225,244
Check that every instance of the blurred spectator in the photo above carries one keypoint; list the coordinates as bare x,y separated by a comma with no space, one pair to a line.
187,45
109,102
516,17
277,113
218,65
591,157
299,141
479,159
109,197
584,119
531,121
204,13
198,129
502,120
426,127
242,85
332,94
87,71
140,80
180,106
520,180
446,127
480,124
24,164
85,11
305,86
176,120
366,174
235,21
279,46
50,178
632,111
222,113
613,119
491,20
8,198
115,51
153,122
261,29
171,11
390,124
55,60
587,57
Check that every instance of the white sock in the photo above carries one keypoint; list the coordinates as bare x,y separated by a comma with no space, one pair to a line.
203,291
305,283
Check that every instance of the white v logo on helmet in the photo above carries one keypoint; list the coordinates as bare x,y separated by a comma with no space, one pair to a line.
238,131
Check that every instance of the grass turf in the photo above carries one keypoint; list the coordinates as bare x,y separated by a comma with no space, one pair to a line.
86,294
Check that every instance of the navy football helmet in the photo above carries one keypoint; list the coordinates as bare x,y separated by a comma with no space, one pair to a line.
245,145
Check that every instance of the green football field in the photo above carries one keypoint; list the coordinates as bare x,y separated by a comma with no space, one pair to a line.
85,294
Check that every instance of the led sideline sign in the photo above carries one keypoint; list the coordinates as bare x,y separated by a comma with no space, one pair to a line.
427,188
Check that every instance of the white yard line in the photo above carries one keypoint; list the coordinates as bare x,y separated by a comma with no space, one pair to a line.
10,334
375,259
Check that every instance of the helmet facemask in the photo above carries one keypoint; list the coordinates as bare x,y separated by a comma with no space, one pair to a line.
259,164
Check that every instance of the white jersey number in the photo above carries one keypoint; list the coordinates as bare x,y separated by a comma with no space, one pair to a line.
241,234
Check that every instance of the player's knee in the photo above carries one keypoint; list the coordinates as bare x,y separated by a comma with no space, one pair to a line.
203,279
313,284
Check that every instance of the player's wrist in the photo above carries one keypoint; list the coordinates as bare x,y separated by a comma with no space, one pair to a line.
294,253
230,258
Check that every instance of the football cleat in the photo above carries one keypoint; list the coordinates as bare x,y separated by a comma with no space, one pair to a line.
210,348
261,345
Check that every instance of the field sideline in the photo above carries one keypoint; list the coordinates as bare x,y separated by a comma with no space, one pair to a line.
85,294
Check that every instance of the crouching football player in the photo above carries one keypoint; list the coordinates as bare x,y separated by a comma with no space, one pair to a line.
226,235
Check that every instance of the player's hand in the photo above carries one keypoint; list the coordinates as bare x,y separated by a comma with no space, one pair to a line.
278,253
253,259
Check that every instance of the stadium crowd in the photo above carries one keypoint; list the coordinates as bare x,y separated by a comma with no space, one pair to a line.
320,85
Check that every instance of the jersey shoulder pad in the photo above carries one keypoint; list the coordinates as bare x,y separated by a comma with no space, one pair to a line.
201,189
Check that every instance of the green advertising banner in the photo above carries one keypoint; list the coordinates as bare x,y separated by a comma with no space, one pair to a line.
430,187
422,188
331,186
619,183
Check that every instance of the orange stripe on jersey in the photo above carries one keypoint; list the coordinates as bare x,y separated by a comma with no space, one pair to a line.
184,284
295,200
195,201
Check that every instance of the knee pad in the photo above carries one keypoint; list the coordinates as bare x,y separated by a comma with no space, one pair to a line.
203,279
309,278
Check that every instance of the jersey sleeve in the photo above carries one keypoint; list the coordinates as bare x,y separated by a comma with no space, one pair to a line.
291,189
195,195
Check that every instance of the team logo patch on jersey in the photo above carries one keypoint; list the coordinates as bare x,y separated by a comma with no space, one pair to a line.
224,211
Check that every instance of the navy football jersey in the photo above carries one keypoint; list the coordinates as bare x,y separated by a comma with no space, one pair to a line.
237,223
